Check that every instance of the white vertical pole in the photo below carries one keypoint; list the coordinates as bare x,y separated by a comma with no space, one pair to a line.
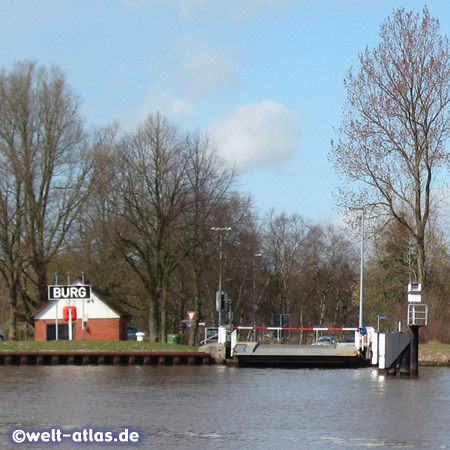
233,341
56,320
220,280
220,230
361,286
82,319
382,351
56,307
70,324
375,350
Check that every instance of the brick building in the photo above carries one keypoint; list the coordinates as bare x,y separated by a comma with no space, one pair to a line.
94,320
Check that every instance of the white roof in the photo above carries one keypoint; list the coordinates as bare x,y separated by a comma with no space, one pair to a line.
93,308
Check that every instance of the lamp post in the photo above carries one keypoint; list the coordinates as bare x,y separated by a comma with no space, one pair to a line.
361,281
221,231
255,255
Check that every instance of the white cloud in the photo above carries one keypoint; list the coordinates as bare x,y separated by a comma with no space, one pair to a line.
167,104
256,135
203,69
174,108
202,66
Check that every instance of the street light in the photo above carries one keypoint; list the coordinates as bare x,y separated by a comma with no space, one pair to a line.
255,255
219,307
361,281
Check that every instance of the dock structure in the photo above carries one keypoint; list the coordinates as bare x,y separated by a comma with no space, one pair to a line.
80,358
351,354
395,353
254,354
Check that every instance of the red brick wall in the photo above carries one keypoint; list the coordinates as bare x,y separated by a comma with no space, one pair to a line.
40,329
102,330
96,329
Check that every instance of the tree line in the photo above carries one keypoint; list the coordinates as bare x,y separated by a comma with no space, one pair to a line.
154,217
138,214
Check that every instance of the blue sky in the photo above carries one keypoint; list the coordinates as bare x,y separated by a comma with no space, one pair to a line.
263,77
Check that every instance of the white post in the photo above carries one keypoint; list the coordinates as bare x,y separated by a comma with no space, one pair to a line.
361,281
56,307
220,280
222,335
361,286
375,350
82,319
70,324
56,320
382,351
233,341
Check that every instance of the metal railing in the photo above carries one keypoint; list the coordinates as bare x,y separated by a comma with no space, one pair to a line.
211,335
293,335
417,314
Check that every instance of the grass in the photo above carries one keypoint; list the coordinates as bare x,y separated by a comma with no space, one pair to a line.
92,346
434,353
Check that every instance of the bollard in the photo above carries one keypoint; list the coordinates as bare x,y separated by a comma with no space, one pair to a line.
140,336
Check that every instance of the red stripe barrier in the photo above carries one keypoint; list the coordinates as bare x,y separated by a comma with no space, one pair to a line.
297,329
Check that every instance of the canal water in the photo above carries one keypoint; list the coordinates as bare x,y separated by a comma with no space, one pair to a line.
217,407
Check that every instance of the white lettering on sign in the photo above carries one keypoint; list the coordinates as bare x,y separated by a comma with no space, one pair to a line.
69,292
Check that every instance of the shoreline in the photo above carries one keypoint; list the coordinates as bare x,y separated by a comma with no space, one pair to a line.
434,354
103,358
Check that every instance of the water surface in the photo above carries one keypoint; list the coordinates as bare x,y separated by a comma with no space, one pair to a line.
218,407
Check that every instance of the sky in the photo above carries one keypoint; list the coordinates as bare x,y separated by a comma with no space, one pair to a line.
263,78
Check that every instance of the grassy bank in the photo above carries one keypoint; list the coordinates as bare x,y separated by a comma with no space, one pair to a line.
94,346
434,354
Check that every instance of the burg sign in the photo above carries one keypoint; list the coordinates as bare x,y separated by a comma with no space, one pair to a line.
69,292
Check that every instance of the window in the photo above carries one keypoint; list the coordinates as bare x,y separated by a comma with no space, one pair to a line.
63,332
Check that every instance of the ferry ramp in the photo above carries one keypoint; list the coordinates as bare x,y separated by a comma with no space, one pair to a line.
255,354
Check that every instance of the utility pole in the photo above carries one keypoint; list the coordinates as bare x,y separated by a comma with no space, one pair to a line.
361,280
219,292
254,294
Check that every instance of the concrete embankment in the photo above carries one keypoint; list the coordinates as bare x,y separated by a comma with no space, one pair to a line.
217,351
80,358
429,355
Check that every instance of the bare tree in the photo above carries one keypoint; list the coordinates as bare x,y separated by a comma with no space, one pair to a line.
152,202
396,123
282,247
93,248
328,276
208,182
12,249
42,148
